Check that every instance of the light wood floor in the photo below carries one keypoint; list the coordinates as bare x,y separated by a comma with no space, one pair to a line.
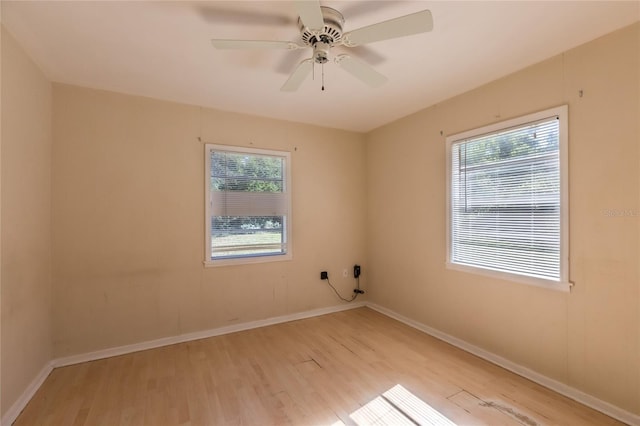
317,371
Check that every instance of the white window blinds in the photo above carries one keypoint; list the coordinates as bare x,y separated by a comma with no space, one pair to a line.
248,203
505,200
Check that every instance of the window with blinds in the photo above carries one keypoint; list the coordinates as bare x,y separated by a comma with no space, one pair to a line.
507,201
248,205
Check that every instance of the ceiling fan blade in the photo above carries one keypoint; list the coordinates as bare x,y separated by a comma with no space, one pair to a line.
289,60
298,76
415,23
254,44
216,12
310,14
362,8
364,52
360,70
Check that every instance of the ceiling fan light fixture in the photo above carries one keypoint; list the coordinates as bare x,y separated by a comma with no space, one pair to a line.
321,52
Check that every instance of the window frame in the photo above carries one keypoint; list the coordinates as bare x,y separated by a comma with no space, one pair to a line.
563,284
249,259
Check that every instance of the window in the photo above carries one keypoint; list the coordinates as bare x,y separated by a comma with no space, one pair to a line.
507,200
248,205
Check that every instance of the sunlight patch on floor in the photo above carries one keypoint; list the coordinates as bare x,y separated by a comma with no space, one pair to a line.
380,412
397,407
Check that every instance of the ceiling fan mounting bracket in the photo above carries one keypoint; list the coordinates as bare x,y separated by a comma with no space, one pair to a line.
347,42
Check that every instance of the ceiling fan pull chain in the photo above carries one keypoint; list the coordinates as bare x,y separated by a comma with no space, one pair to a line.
322,77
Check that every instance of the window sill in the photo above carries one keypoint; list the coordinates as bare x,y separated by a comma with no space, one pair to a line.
247,260
562,286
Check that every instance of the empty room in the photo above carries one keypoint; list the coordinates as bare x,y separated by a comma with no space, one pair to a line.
320,213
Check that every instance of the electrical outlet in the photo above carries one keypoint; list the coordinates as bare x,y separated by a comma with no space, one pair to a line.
324,275
345,273
356,271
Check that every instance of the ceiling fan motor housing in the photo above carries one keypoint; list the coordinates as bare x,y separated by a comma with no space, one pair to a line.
329,35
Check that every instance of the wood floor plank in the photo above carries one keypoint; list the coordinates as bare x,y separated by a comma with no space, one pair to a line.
346,368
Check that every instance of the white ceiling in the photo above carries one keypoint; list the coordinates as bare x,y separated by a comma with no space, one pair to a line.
162,49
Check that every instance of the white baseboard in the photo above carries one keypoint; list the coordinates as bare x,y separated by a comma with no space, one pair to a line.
166,341
562,388
14,411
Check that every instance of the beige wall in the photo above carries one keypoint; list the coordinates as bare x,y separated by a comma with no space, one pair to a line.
128,220
589,338
26,222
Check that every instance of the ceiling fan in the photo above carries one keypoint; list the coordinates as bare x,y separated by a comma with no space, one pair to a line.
321,29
